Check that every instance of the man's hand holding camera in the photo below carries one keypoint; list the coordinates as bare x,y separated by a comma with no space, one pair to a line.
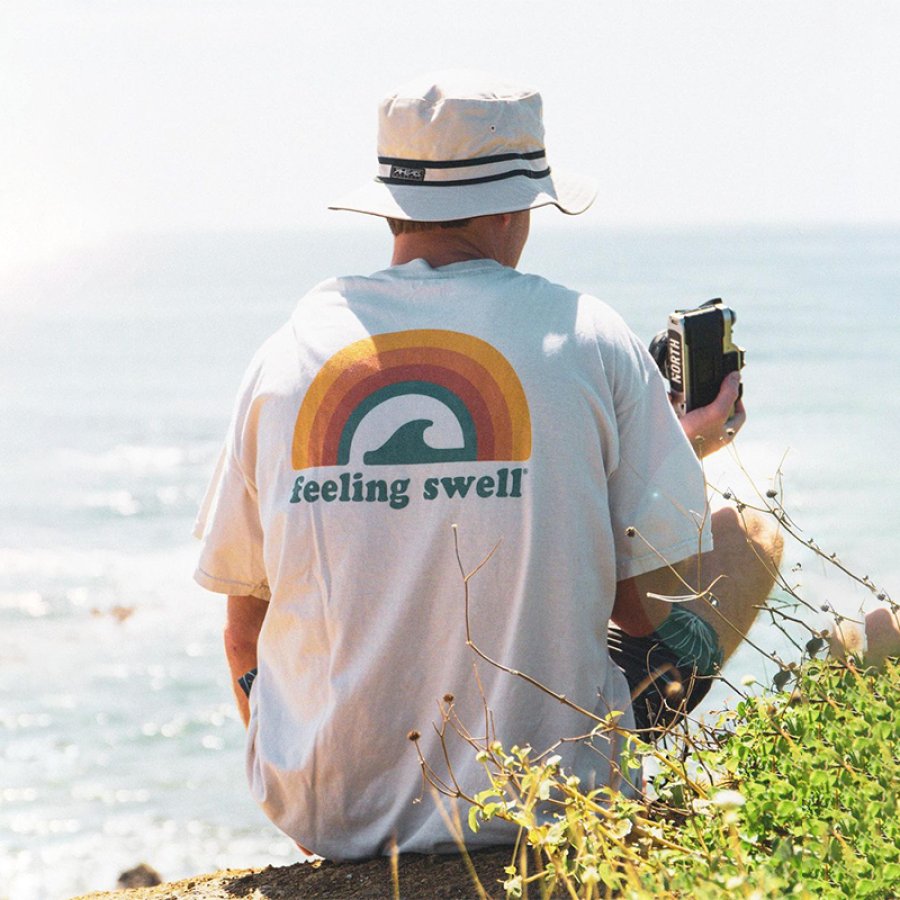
711,427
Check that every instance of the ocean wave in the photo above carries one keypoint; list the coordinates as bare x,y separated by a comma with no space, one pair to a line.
144,459
155,501
53,563
122,502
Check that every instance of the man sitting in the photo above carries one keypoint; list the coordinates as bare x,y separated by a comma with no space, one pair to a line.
452,396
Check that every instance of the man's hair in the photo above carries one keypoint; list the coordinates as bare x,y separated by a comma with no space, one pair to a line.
404,226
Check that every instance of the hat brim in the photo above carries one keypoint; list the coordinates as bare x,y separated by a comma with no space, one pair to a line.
572,194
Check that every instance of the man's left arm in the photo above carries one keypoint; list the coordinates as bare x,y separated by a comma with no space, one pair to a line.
243,623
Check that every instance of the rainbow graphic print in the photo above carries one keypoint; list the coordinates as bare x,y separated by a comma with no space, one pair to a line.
464,374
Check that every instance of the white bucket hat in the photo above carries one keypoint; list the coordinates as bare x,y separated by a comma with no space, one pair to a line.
458,145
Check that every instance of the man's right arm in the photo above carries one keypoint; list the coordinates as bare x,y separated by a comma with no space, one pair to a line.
243,623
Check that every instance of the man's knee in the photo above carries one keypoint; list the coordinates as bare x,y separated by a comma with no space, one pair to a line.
882,635
749,543
873,641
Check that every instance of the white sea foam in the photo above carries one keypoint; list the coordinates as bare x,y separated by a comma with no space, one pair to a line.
31,603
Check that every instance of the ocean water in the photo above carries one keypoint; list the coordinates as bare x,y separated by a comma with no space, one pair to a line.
117,374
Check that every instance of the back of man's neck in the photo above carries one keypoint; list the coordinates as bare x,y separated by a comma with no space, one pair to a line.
434,251
499,237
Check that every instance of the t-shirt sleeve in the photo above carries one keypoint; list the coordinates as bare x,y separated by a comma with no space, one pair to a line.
231,559
657,491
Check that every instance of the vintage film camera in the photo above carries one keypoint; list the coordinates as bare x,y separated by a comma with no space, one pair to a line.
696,353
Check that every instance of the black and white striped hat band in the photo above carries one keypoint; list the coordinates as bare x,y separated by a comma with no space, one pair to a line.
460,172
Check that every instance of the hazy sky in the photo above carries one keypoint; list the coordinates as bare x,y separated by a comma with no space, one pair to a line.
171,115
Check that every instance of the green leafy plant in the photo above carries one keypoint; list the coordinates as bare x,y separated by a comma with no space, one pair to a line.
793,793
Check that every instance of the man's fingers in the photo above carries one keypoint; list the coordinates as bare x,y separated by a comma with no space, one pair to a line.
736,422
728,393
713,426
728,406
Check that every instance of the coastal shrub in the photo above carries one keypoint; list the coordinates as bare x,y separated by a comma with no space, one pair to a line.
793,793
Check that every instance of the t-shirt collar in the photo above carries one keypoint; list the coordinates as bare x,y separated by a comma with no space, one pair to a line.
418,268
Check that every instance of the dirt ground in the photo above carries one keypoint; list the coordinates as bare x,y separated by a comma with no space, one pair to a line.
431,877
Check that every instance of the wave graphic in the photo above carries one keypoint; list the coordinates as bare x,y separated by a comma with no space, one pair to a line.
407,446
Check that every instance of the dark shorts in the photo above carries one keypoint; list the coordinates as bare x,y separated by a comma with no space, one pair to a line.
662,692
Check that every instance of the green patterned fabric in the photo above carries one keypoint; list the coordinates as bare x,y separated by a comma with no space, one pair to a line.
694,640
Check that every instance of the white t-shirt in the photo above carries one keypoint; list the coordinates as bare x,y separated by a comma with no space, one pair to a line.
387,410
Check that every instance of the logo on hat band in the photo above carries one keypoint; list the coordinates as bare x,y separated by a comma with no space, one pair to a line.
407,173
475,171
